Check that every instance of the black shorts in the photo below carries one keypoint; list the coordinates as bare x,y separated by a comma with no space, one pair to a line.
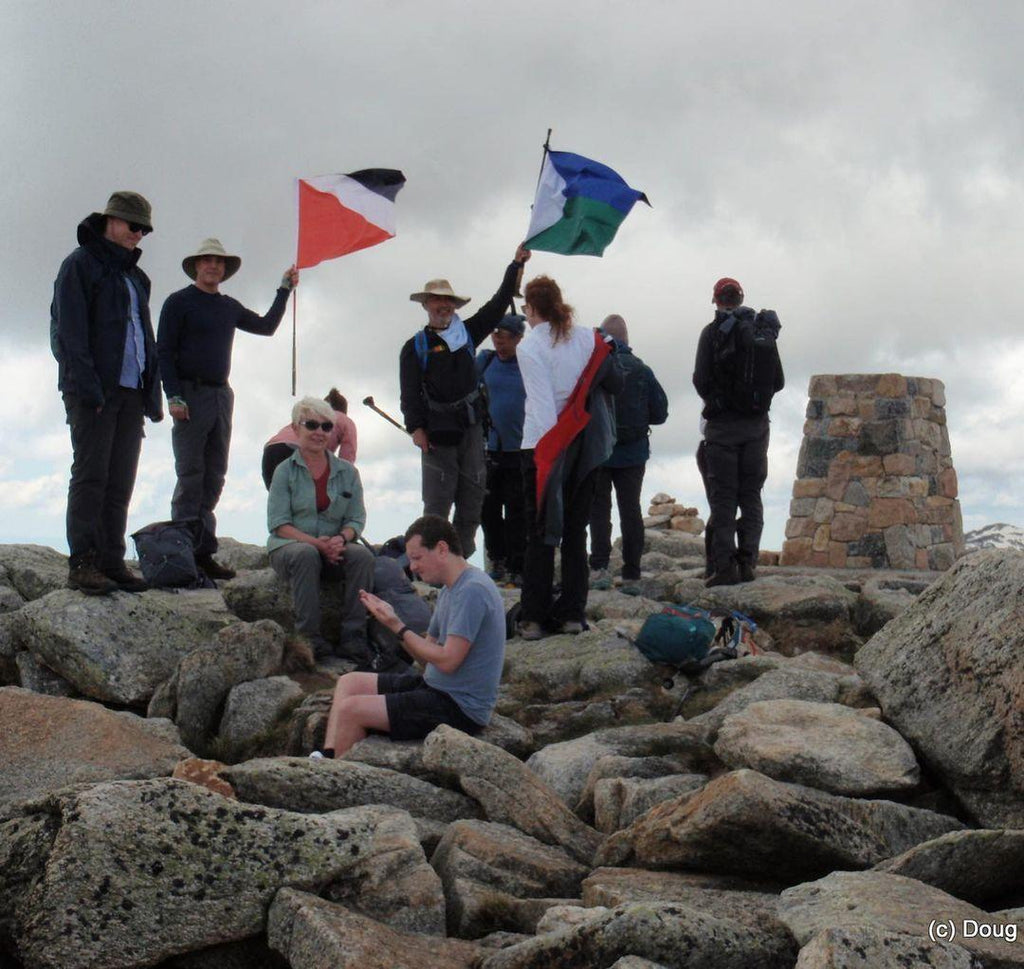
414,708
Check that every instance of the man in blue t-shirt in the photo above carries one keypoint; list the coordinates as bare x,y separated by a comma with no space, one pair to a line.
463,652
504,512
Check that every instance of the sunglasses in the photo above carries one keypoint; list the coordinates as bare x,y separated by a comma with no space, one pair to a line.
139,227
313,425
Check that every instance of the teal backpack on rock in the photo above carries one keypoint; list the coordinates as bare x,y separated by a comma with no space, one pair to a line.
677,636
691,639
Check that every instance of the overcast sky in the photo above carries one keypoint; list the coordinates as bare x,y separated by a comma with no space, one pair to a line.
856,165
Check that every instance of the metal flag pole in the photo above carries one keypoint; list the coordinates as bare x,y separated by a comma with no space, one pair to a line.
295,343
543,158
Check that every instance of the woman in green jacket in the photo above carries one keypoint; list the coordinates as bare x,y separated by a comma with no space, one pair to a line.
315,514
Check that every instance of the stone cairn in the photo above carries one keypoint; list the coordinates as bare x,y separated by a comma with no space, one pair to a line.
665,513
875,485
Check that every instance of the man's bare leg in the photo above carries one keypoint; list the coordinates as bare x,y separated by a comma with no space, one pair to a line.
357,707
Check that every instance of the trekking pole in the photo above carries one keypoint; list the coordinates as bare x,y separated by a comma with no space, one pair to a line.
369,403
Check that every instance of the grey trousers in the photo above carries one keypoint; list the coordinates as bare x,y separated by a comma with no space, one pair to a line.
457,475
201,447
301,565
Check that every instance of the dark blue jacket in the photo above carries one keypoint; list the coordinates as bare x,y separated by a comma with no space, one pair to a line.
641,403
89,319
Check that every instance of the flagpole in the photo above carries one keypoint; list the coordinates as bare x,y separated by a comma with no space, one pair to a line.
543,158
294,293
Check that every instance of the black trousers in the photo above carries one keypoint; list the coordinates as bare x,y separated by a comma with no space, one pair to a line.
105,457
627,483
702,467
538,600
736,451
504,513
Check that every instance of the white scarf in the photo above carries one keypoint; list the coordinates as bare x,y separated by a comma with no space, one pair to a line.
455,334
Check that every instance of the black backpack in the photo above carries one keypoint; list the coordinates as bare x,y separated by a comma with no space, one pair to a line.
166,553
747,357
632,408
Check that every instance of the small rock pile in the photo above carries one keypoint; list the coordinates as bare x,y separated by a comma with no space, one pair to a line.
665,513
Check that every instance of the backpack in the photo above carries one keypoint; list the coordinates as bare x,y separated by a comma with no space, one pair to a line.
689,639
747,356
632,411
392,585
166,553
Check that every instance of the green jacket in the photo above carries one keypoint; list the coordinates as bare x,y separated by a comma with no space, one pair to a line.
292,500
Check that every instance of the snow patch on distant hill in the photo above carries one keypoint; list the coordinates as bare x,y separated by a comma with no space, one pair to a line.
999,535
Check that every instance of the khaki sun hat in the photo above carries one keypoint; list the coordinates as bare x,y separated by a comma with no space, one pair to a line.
438,287
211,247
131,207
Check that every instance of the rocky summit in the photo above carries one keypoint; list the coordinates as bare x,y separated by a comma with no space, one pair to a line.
848,793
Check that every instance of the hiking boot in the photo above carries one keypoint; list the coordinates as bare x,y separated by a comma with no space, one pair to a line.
631,587
88,579
531,631
747,572
727,576
214,570
125,579
600,579
570,628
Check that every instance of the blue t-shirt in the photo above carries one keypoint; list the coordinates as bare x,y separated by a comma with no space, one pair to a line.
506,400
473,609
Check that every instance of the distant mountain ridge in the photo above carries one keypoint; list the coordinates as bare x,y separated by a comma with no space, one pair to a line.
999,535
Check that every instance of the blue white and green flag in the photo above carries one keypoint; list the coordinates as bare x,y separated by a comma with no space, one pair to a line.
580,205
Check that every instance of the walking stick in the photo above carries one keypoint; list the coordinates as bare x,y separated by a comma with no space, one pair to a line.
368,401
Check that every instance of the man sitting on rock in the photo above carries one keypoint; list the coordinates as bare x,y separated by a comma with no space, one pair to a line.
463,652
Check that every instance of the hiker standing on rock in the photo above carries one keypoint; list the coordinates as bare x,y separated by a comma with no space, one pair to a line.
441,401
736,373
640,403
463,652
504,512
568,433
102,337
195,338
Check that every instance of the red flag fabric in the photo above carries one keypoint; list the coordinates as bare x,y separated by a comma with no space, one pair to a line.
339,214
571,421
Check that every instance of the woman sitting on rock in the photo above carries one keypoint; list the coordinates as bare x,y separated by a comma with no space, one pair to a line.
315,513
341,440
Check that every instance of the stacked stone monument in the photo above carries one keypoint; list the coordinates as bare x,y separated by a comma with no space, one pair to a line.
664,512
875,485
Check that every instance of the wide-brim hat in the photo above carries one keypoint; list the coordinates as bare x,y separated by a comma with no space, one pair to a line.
131,207
211,247
438,287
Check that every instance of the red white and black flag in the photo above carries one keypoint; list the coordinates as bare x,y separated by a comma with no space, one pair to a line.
339,214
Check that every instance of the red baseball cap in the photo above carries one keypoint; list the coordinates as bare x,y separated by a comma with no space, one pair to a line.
725,285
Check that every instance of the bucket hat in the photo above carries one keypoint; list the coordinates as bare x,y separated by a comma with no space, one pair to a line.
438,287
211,247
131,207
